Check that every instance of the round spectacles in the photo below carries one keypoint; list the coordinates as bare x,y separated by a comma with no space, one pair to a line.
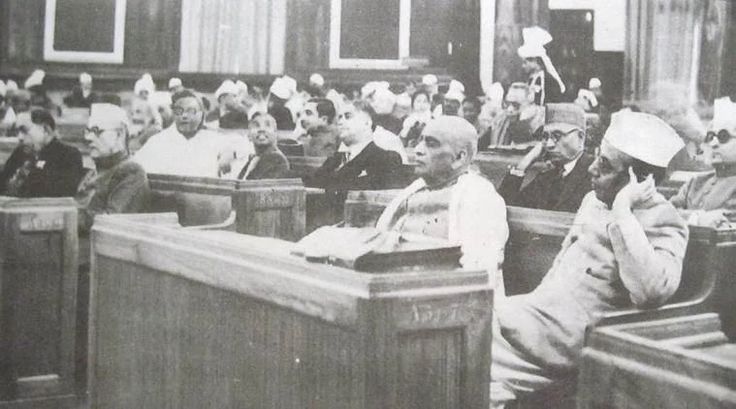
555,136
179,111
723,136
97,131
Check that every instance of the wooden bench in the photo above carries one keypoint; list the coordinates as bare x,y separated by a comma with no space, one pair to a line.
41,357
193,319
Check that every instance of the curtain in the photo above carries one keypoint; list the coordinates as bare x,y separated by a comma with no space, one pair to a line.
677,42
511,17
233,36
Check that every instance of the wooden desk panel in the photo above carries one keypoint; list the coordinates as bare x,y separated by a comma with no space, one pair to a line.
38,297
192,319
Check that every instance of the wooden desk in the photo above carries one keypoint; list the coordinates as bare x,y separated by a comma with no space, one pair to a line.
193,319
38,304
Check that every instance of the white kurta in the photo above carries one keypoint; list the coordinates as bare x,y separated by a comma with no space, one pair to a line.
476,221
169,152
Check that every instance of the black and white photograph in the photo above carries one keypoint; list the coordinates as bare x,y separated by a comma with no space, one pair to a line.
367,204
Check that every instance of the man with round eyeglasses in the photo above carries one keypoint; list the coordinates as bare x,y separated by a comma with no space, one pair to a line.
188,148
118,184
518,122
566,181
710,199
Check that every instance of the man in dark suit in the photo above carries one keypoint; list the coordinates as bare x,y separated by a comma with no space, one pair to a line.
268,162
41,166
359,164
563,186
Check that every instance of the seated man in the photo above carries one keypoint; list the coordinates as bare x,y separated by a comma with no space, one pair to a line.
81,95
317,118
119,184
188,148
518,122
563,186
707,199
41,166
625,248
268,162
362,165
449,201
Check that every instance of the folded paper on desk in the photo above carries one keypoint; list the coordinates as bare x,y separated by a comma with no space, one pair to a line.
370,250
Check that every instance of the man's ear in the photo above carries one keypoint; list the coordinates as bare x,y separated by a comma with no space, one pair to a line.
460,157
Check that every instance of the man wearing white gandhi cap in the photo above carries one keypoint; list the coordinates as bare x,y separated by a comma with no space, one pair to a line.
625,248
543,76
118,185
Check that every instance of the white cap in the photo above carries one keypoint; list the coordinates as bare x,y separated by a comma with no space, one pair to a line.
495,92
644,137
242,87
383,101
175,82
724,115
589,96
36,78
535,38
106,115
594,83
317,80
11,86
403,100
373,86
85,78
227,87
456,85
429,80
142,85
283,87
3,89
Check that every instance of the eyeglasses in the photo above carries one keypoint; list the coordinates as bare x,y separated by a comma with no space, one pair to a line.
555,136
515,105
179,111
723,136
97,131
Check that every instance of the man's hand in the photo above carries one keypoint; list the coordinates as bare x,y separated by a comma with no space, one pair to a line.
633,194
532,156
714,218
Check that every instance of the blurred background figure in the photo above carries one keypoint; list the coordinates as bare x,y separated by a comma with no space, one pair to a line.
82,95
519,121
543,78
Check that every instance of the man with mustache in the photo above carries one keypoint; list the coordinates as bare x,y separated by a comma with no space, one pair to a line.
518,122
624,249
564,185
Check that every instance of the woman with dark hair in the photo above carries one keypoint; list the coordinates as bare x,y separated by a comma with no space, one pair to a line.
421,105
41,166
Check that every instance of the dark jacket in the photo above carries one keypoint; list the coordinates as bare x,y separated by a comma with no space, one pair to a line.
537,193
282,115
120,185
77,100
56,171
552,92
372,169
271,165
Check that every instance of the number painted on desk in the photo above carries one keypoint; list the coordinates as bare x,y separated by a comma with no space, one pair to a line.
42,222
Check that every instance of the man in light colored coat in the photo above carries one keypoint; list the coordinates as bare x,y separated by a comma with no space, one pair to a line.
625,249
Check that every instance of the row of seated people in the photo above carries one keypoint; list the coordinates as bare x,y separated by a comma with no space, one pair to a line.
626,245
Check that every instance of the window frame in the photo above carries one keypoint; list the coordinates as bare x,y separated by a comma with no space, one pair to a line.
337,62
114,57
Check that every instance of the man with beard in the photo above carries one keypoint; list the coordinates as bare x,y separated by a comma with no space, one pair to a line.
518,122
188,148
624,249
563,186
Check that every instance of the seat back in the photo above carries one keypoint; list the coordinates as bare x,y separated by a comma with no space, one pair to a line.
196,200
271,208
